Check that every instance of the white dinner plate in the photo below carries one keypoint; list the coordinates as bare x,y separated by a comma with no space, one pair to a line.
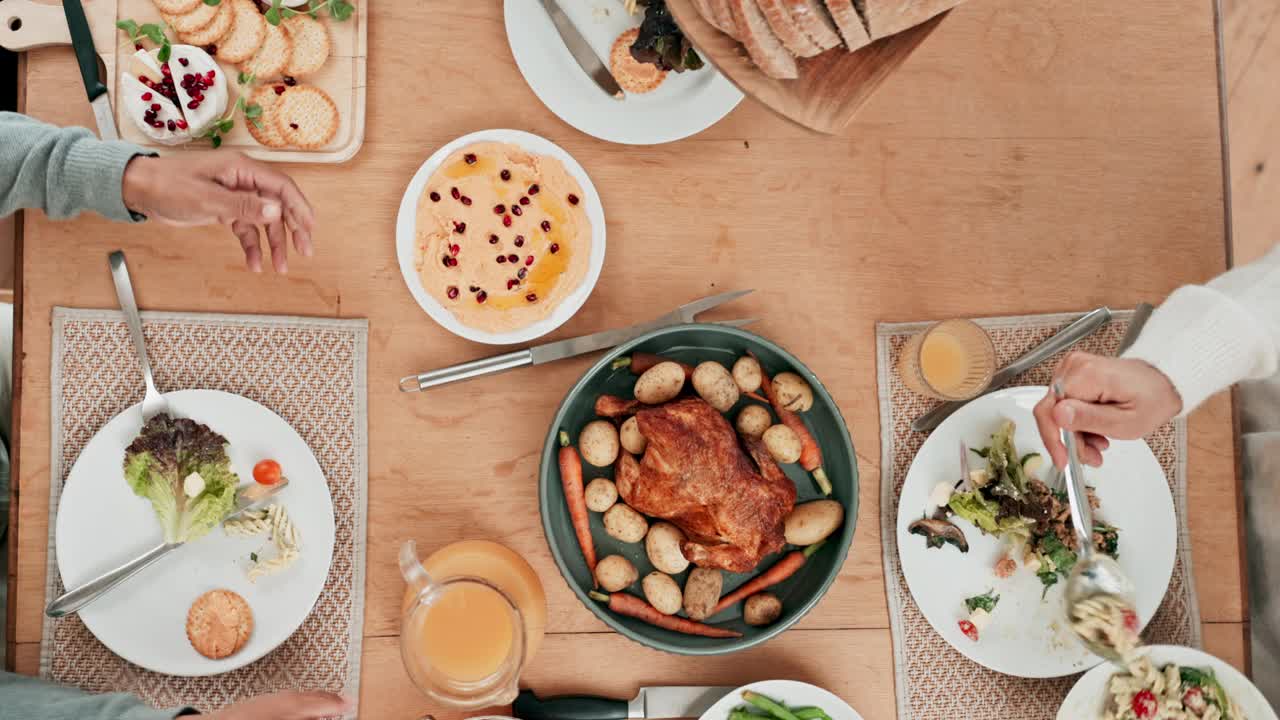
407,238
685,104
791,693
1089,696
102,524
1028,636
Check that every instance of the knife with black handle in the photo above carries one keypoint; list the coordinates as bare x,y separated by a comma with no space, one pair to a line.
87,59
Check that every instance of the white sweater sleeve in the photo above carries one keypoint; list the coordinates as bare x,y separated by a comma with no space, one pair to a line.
1205,338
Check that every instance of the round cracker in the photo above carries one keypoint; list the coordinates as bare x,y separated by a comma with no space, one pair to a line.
219,624
189,22
248,33
269,134
214,31
310,45
176,7
633,76
306,117
272,58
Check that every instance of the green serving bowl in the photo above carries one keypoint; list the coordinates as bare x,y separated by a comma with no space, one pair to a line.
693,344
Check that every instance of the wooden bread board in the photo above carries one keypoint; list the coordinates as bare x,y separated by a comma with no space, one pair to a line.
831,87
342,77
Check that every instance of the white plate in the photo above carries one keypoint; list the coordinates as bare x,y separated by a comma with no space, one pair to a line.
788,692
406,238
685,104
1089,696
102,524
1028,637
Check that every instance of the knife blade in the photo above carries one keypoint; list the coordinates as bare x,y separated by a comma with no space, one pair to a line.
581,50
651,703
87,59
1141,314
1068,336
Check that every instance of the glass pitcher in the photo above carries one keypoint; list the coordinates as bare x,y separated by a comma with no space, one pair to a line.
462,638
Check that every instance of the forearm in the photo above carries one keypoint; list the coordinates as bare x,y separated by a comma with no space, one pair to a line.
24,698
62,171
1205,338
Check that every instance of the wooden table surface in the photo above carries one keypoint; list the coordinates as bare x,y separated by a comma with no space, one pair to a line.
1032,156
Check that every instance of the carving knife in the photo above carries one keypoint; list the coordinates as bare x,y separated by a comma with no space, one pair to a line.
651,703
581,51
87,59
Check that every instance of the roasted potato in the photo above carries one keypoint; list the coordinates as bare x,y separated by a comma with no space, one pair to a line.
747,374
660,383
793,392
715,385
601,494
632,441
761,609
598,443
662,593
783,443
625,524
753,420
702,592
662,544
812,522
616,573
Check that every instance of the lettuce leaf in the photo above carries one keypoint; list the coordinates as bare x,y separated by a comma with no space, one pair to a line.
162,456
985,514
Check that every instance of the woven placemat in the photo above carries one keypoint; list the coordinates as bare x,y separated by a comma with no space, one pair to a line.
934,681
309,371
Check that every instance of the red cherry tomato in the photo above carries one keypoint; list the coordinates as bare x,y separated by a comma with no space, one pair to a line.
1145,705
1193,700
969,630
267,472
1131,621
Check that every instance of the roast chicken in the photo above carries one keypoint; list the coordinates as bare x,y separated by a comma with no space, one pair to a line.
695,475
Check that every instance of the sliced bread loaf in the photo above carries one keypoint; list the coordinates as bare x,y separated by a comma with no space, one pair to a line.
890,17
795,40
764,47
850,23
722,17
815,21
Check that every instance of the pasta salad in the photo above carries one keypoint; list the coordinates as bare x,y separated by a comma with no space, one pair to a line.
1173,692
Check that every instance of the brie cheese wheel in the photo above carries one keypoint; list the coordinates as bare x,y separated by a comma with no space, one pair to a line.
198,63
143,63
139,99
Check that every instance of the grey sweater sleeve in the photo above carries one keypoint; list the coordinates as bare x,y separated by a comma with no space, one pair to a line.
29,698
61,170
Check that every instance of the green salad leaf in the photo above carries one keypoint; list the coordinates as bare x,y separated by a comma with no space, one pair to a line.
986,601
985,514
1204,679
159,460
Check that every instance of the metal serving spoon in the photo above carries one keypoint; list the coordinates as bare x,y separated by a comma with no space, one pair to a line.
1095,574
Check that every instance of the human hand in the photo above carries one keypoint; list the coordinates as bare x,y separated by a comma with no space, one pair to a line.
219,187
1104,397
290,705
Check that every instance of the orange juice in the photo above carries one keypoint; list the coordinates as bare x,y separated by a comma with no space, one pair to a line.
951,360
467,633
943,362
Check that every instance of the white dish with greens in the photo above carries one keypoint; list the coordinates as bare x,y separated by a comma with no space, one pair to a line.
173,480
986,556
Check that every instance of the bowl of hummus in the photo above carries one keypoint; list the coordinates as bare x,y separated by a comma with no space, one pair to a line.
500,236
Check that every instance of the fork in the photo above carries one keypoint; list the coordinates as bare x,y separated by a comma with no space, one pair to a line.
153,403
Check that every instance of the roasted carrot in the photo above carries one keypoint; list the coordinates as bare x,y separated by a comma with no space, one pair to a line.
757,397
571,479
639,362
810,453
632,606
781,570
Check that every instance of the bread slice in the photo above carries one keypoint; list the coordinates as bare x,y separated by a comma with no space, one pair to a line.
795,40
176,7
213,32
273,57
850,23
764,47
248,33
310,45
815,21
722,17
890,17
195,19
306,117
268,98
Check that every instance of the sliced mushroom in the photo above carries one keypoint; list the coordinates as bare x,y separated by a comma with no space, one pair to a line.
937,532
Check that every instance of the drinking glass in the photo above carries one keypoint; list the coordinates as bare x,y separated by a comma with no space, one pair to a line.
949,360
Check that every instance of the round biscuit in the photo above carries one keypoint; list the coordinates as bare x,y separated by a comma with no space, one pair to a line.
213,32
310,45
269,134
219,624
633,76
189,22
176,7
272,57
248,33
306,117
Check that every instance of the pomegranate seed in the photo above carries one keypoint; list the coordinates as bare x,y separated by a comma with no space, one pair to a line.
164,70
290,81
481,296
502,259
452,292
183,62
466,200
137,46
522,273
519,241
157,125
454,249
493,239
211,48
474,288
171,125
499,209
524,201
512,282
546,226
573,199
515,210
459,227
155,107
193,105
454,192
513,258
470,158
533,189
505,174
445,260
531,297
528,260
182,124
293,125
188,78
435,196
555,248
279,89
506,221
211,75
146,97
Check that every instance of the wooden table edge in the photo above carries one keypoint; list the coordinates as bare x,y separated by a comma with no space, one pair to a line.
11,604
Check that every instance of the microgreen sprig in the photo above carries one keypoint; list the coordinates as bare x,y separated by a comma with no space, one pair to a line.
337,9
151,31
224,124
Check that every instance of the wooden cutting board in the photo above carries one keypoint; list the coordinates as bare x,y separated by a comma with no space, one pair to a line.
831,87
26,24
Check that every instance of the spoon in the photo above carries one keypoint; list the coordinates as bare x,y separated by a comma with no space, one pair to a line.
1095,574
